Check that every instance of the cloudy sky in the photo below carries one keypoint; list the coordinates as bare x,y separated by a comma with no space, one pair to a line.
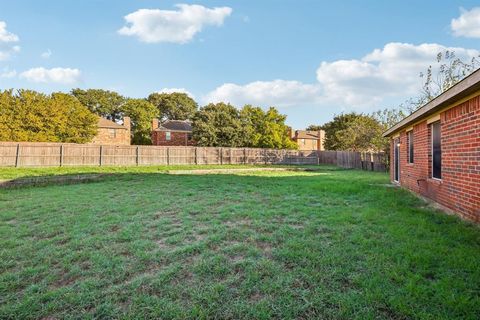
311,59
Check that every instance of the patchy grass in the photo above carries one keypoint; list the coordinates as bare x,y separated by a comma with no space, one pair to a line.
329,244
8,173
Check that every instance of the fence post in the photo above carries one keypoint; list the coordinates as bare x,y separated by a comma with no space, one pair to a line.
221,155
101,151
168,156
17,156
265,155
137,154
196,156
61,155
244,155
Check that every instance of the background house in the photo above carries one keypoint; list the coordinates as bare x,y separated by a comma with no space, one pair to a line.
308,140
435,151
110,132
172,133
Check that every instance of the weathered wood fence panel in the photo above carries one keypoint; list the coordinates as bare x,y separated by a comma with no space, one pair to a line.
55,154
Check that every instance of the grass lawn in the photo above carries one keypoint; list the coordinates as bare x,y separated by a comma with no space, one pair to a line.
331,244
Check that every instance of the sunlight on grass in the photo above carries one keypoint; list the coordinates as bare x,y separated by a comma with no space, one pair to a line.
260,244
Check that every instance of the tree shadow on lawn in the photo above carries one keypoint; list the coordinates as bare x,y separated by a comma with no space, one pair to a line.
331,244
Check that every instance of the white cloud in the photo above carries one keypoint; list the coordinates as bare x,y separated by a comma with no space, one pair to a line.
7,73
54,75
46,54
468,24
390,72
177,26
7,42
280,93
179,90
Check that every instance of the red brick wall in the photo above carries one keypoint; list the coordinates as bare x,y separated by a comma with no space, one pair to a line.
177,139
459,188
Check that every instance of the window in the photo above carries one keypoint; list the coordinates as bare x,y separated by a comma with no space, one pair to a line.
112,133
436,150
410,146
189,136
168,136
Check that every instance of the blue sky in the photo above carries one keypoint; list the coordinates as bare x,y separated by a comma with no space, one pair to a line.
311,59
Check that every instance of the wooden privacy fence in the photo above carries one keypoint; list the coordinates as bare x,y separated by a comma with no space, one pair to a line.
56,154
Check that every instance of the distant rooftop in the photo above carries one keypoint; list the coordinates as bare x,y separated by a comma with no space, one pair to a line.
175,125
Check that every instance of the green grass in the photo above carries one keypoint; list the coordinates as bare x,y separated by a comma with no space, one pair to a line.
7,173
332,244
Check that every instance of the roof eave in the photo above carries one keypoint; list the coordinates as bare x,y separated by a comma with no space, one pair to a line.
462,89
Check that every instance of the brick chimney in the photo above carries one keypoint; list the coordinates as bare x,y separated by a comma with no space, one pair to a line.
155,124
128,124
321,139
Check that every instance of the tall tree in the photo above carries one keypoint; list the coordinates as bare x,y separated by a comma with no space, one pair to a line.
173,106
31,116
105,103
141,113
363,133
265,129
339,122
439,77
218,125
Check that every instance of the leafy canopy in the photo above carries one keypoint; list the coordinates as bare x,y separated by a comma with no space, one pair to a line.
354,132
141,113
218,125
173,106
105,103
27,115
265,129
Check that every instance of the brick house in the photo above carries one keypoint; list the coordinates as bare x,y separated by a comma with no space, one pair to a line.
308,140
435,151
110,132
172,133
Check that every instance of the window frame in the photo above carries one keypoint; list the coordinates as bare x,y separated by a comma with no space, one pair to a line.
410,147
112,132
168,135
432,129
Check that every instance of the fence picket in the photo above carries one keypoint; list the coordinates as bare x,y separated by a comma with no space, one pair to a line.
26,154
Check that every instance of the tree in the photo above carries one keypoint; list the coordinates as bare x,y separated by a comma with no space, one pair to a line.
339,122
107,104
354,132
173,106
31,116
314,127
141,113
438,78
218,125
363,133
265,129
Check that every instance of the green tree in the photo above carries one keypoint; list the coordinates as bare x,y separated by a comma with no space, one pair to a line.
314,127
339,122
447,71
173,106
141,113
218,125
363,133
107,104
265,129
31,116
